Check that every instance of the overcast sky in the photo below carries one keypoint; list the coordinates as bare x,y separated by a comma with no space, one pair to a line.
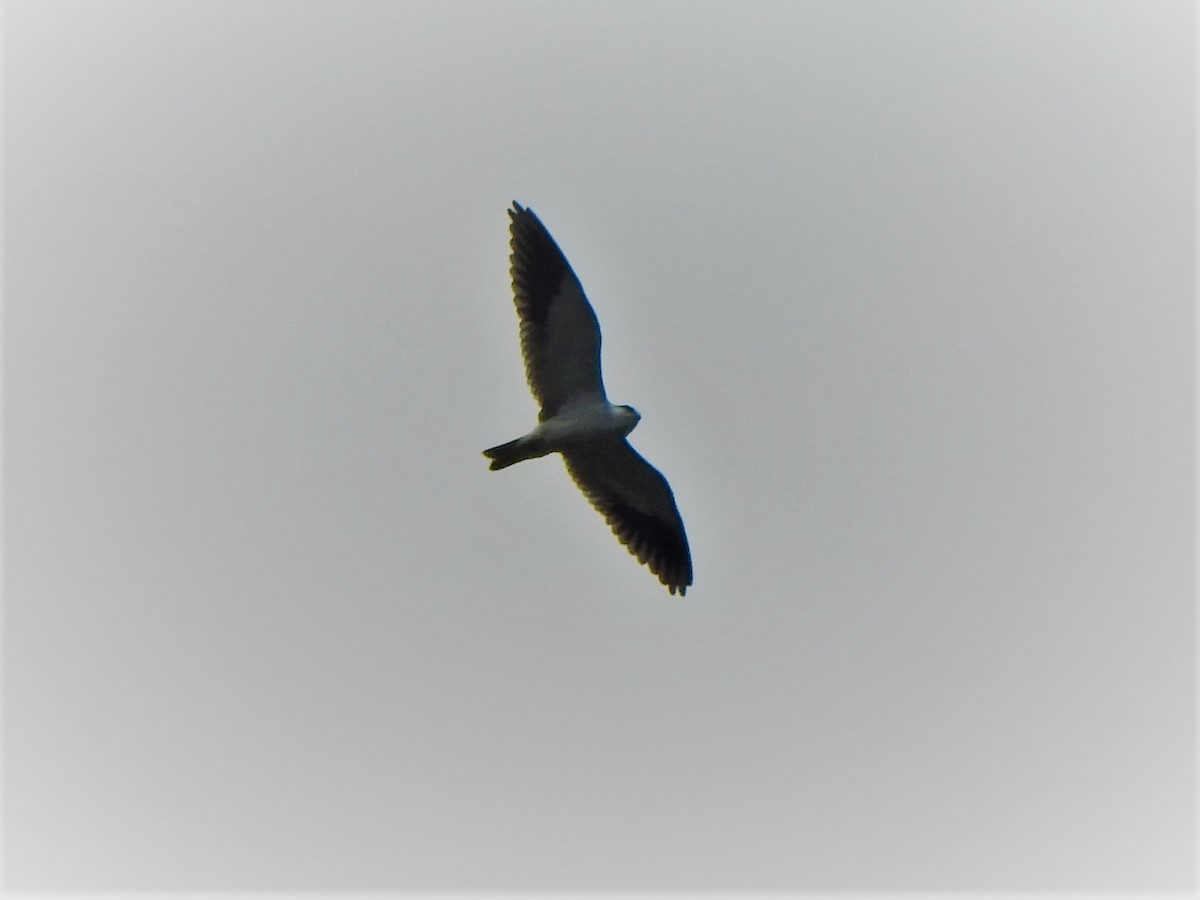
904,294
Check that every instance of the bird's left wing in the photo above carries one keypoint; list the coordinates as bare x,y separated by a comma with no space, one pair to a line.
637,503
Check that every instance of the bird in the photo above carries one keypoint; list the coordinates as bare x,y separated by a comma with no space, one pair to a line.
560,343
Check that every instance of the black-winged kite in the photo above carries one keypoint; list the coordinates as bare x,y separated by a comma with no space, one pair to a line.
560,340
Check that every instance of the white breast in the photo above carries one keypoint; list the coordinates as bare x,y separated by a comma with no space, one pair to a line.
582,422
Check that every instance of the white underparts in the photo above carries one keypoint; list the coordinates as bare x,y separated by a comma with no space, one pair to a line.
581,423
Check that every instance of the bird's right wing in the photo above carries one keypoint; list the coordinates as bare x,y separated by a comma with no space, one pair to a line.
560,337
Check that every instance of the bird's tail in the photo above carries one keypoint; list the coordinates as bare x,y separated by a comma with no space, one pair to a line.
513,452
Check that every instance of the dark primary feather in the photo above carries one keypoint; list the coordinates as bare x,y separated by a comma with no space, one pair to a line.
638,505
560,336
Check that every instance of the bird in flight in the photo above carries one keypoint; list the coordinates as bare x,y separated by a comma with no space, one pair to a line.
560,341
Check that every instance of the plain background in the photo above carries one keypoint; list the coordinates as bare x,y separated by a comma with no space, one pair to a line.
904,294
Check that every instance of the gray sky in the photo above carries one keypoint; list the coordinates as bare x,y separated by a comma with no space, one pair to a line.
904,294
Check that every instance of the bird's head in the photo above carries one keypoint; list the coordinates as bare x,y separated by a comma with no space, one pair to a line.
629,416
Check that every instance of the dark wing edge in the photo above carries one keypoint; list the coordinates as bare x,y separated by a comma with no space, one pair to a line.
638,504
540,275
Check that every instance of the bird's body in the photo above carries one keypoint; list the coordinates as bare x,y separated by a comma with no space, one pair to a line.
560,340
574,426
